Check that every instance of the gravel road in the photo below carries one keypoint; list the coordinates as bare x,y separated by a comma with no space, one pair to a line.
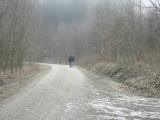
65,93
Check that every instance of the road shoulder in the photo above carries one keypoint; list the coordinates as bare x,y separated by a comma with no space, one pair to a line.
104,82
14,83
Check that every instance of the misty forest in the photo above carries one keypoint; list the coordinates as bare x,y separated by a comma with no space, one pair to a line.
121,31
79,59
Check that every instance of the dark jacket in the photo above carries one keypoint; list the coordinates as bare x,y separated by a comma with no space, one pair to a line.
71,59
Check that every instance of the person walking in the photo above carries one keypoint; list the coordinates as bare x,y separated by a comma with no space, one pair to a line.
71,60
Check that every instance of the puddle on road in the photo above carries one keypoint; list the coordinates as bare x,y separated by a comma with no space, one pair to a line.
124,107
69,106
111,104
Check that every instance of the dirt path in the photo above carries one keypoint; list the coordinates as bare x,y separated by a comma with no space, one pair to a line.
13,83
67,94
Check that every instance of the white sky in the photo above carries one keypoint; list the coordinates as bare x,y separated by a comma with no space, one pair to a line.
43,1
146,2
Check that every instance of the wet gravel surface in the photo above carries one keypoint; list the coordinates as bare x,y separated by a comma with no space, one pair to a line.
67,94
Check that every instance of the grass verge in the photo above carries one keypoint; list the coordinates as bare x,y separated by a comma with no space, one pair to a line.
13,83
139,79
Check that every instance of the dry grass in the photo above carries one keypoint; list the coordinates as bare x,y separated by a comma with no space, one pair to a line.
139,78
13,83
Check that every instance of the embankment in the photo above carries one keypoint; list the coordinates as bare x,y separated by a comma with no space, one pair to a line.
139,79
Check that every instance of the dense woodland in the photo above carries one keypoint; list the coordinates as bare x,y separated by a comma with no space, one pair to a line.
17,24
126,31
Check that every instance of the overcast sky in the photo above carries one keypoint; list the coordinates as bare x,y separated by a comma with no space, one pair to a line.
69,10
64,1
57,11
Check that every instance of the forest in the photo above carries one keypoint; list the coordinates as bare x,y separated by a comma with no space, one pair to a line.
125,31
79,59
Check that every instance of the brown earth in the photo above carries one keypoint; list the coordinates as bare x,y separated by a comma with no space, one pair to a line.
13,83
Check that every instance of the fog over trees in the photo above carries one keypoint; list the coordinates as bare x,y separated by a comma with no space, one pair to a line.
17,25
49,31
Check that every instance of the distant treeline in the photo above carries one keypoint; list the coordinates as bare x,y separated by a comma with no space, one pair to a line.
119,30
